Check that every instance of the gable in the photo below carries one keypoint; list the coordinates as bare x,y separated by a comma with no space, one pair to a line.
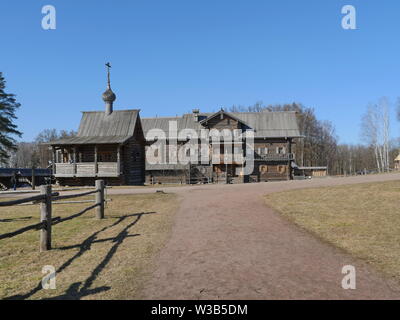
222,121
138,133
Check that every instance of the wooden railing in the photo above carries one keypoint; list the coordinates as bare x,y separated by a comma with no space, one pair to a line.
87,169
274,157
230,159
46,199
65,168
106,169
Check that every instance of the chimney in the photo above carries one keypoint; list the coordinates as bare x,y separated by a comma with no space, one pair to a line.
196,114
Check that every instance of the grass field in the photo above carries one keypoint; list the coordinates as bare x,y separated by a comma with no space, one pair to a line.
94,259
362,219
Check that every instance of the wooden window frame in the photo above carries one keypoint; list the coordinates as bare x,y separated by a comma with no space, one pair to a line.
281,169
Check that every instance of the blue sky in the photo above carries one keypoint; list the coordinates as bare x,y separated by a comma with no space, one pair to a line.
172,56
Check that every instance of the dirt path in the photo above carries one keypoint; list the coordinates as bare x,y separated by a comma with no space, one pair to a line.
226,244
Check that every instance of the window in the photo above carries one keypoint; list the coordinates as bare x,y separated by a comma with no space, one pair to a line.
280,150
262,151
263,169
281,169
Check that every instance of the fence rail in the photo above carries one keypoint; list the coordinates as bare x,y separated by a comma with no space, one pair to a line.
56,198
40,197
46,199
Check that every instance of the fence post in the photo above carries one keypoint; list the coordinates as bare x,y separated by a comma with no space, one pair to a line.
100,199
33,179
45,218
190,175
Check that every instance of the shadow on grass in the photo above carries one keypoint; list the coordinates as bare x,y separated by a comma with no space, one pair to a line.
78,290
16,219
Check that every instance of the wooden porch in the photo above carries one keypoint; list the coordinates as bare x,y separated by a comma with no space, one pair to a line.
86,169
87,161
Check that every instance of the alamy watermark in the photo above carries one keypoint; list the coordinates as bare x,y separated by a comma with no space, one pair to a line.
349,21
49,20
49,280
349,280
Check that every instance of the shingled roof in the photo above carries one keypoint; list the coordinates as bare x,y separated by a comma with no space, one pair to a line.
274,124
97,127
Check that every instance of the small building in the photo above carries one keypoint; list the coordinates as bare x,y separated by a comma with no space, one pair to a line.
397,163
109,146
311,171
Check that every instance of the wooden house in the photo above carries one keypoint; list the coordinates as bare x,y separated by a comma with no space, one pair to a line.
274,133
109,146
397,163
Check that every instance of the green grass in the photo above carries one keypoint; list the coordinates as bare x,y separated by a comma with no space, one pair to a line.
96,259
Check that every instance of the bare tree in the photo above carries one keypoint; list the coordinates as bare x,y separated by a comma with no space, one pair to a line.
36,154
45,136
375,132
384,105
369,131
25,156
398,109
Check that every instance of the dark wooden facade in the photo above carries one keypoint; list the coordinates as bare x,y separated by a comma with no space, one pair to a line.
273,157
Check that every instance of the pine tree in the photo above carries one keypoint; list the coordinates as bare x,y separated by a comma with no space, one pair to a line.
8,106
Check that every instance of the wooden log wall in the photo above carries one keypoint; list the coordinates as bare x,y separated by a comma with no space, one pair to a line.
133,156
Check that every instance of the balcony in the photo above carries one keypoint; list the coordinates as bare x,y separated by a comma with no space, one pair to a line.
274,157
87,169
221,159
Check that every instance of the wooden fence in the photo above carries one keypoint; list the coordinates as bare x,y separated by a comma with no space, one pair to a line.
46,199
